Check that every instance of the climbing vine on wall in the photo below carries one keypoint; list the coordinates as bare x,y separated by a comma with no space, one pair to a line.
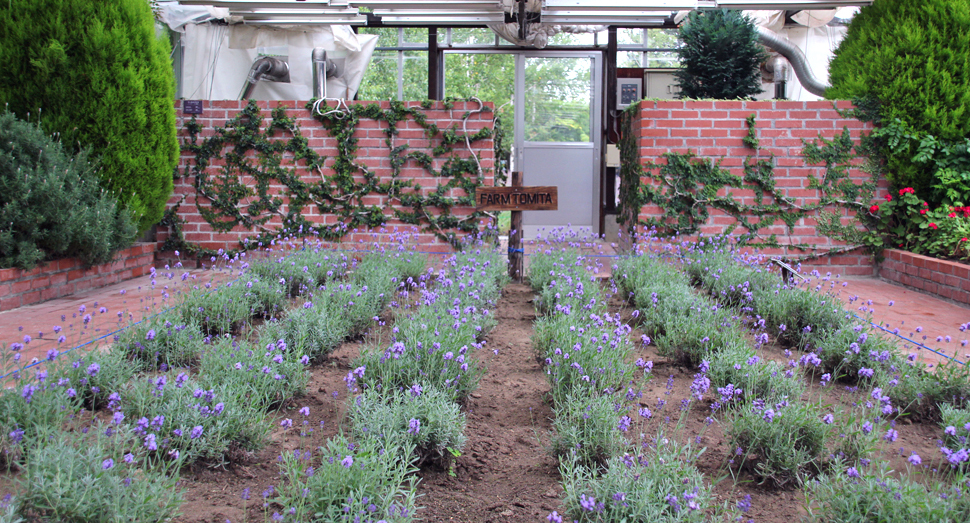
686,188
269,177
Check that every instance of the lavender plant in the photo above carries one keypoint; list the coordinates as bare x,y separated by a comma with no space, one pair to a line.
160,342
856,494
956,430
222,310
367,481
587,429
99,475
265,374
783,442
738,373
427,419
302,271
658,482
93,376
173,413
34,408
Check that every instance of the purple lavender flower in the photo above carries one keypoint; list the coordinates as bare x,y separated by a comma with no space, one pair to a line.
150,335
745,504
28,392
624,424
828,419
348,461
287,423
414,426
93,369
117,418
852,472
107,464
196,432
150,443
914,459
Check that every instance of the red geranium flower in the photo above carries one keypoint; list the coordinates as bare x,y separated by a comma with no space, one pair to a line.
922,211
889,197
932,226
874,209
952,215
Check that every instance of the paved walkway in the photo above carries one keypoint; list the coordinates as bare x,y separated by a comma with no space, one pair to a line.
96,314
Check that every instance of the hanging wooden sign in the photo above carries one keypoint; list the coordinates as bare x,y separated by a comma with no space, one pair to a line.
537,198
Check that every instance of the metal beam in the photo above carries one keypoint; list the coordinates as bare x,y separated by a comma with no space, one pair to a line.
630,6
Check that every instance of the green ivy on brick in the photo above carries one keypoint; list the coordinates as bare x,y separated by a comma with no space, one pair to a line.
257,158
686,188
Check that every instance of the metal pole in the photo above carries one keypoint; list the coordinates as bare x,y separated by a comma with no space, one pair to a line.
516,253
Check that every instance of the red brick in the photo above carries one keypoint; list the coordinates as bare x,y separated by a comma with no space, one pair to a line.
30,297
40,282
20,287
12,302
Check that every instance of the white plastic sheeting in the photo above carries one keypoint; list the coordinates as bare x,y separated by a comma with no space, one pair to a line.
218,57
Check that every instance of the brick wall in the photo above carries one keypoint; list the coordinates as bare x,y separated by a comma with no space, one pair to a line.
715,129
372,152
68,276
948,279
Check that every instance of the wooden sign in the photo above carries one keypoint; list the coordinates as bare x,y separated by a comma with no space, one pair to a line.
536,198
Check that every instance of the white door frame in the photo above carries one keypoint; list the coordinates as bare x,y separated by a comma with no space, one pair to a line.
520,146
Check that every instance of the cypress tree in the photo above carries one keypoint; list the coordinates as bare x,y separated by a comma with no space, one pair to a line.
721,56
913,58
96,73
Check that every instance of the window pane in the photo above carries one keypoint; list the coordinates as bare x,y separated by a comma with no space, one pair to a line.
416,35
380,78
489,77
571,39
662,59
629,59
415,75
629,36
388,35
662,38
558,95
472,36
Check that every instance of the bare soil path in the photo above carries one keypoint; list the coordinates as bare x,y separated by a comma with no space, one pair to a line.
505,472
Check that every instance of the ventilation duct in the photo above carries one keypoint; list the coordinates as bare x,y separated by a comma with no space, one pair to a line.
796,58
265,68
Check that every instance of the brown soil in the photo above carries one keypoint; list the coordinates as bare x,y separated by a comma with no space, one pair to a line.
505,473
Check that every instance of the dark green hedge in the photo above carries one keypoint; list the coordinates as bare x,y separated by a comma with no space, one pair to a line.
721,56
95,72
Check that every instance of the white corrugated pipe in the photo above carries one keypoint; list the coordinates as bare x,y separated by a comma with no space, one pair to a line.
796,58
